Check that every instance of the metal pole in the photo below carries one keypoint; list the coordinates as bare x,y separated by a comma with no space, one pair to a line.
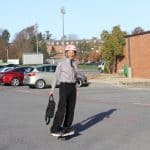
129,59
63,12
129,55
7,54
37,45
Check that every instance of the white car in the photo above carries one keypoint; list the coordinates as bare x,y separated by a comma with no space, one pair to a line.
39,76
42,76
101,66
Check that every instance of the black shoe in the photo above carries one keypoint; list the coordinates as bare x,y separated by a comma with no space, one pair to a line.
67,131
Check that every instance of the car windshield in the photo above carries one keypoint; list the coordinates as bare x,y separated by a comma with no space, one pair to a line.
46,68
29,69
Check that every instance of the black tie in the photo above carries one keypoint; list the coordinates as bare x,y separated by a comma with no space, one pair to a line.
71,63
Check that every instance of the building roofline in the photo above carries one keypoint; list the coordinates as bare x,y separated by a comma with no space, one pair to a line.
142,33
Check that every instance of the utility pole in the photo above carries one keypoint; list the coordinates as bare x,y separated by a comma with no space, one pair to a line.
37,45
129,59
63,12
7,54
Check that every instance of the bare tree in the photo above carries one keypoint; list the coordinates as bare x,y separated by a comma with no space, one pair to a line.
25,40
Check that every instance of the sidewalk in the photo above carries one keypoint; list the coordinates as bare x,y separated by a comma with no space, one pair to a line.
119,80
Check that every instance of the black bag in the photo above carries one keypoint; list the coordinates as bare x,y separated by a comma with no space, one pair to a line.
50,109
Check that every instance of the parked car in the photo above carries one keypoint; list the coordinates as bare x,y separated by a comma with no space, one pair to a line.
14,76
81,79
1,66
101,66
12,65
91,63
42,76
5,69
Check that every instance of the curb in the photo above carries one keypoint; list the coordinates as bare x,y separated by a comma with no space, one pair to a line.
123,82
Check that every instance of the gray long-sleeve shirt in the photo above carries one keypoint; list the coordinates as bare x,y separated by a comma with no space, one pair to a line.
64,73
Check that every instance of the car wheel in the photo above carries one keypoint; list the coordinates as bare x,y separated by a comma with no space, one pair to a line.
79,83
40,84
100,70
15,82
31,86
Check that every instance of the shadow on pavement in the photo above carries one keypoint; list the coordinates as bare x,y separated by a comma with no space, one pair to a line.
91,121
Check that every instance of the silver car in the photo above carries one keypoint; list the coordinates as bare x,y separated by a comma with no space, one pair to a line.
39,76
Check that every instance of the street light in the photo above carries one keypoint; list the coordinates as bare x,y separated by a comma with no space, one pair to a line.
63,12
7,54
37,45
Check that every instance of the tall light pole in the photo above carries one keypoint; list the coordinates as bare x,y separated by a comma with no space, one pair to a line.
63,12
7,54
37,45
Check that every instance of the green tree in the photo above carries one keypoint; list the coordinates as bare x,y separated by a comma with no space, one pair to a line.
112,47
43,49
95,53
4,43
37,40
6,35
53,52
84,48
48,35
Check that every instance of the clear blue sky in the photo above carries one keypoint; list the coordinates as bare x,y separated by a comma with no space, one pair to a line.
85,18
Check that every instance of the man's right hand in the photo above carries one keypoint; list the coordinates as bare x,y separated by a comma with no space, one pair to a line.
51,93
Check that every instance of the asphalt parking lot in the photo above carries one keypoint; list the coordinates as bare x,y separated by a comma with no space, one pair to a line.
106,118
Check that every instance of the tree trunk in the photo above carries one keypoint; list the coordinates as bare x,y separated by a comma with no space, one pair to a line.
114,69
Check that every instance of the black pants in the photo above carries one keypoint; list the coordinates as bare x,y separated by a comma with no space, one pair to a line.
65,111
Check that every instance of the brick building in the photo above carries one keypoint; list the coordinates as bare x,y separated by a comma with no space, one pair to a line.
58,45
137,55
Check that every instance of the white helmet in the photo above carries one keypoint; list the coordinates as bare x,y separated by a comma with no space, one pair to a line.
70,48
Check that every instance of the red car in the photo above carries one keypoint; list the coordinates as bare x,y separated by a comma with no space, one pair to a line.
13,77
